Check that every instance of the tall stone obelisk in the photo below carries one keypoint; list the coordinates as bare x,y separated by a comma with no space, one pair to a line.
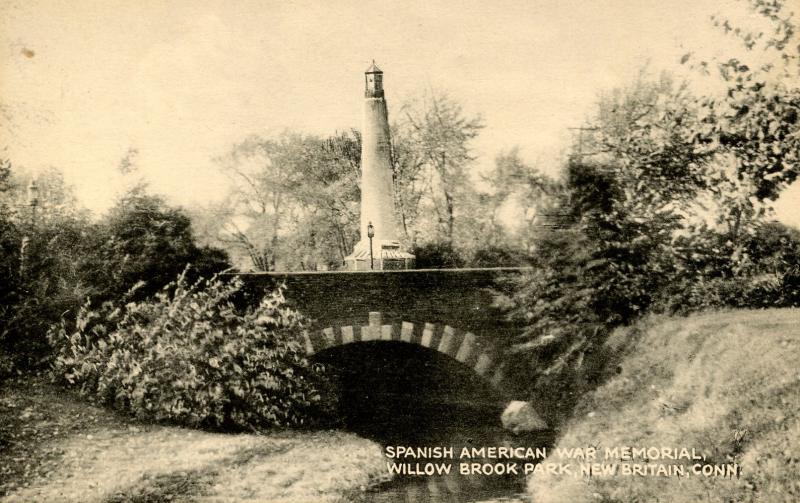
379,247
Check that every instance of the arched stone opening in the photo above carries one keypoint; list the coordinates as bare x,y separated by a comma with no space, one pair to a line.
396,391
462,346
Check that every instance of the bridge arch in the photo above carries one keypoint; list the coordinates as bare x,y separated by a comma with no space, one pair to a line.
464,347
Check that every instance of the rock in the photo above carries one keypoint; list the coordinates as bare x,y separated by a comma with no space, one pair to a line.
520,417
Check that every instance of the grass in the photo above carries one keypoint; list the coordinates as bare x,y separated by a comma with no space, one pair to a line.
726,384
54,446
175,487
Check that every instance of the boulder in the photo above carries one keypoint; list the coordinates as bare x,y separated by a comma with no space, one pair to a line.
520,417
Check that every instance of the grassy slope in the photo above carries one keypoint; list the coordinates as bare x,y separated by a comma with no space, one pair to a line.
726,383
56,447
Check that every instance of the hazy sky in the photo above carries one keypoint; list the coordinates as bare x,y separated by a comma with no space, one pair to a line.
84,81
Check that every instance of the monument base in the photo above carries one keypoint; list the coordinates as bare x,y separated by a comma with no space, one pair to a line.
382,255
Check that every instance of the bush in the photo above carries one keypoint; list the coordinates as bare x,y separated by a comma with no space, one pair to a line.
760,272
188,356
743,292
437,255
58,254
144,239
499,256
601,267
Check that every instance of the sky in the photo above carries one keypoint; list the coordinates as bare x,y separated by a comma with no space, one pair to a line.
83,82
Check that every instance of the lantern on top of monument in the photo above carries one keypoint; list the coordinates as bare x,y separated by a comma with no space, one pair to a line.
377,187
373,80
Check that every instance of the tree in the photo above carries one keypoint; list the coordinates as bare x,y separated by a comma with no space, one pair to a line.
521,189
410,181
433,139
329,197
58,245
69,258
752,133
9,264
295,201
144,240
642,134
754,127
262,170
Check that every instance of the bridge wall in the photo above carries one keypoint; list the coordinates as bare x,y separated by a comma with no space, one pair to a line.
465,299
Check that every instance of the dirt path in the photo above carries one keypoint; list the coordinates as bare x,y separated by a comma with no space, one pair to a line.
56,447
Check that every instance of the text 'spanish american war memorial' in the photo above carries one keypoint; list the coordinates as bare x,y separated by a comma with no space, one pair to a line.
379,305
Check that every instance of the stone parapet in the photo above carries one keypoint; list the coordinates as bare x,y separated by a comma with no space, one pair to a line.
466,299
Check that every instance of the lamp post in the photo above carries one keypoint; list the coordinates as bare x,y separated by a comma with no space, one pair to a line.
370,235
33,199
33,202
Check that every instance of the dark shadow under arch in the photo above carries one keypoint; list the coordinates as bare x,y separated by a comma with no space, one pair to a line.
394,390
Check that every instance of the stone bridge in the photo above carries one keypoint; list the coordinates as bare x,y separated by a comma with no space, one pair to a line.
457,312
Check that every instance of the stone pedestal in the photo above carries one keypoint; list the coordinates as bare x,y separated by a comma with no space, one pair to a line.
386,255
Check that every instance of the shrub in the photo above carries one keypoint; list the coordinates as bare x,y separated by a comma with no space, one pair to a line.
144,239
759,272
437,255
498,256
743,292
188,356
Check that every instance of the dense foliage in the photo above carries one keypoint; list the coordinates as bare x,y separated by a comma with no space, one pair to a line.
142,238
664,206
54,257
437,255
188,356
765,274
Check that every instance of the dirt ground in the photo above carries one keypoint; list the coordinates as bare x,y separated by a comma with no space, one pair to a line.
55,446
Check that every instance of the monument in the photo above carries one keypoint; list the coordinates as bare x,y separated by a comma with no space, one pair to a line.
379,247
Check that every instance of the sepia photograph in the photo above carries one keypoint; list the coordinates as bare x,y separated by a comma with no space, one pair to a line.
432,251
